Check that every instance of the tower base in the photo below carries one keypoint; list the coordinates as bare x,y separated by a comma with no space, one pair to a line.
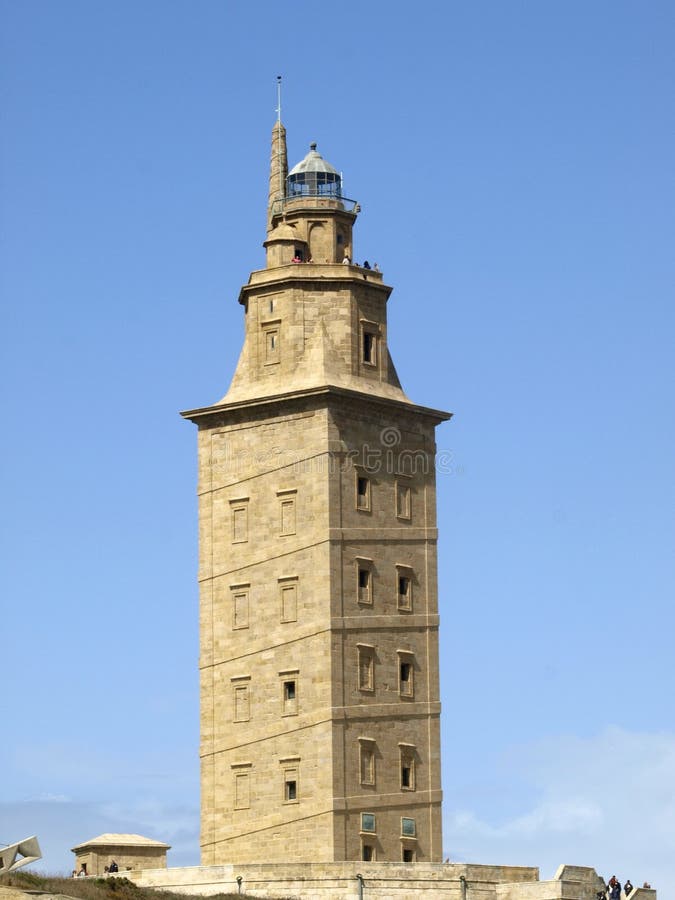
380,881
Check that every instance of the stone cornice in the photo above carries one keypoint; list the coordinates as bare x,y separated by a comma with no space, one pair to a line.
325,275
203,414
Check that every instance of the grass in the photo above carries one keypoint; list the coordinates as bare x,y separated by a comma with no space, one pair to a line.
93,888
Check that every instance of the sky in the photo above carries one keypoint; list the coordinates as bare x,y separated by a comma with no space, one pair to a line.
514,164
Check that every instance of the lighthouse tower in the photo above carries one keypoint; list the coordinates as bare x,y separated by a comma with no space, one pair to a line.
318,588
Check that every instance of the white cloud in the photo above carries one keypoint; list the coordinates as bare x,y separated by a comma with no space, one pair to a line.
606,801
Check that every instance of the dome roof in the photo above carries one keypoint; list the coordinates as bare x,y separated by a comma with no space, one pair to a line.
313,162
283,232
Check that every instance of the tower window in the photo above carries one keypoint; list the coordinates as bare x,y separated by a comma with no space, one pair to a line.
405,677
364,581
403,504
291,794
241,704
242,786
241,700
239,513
239,605
362,492
367,761
404,588
370,348
288,516
272,345
366,674
287,523
364,586
407,766
289,692
408,828
367,853
291,784
407,855
368,823
241,791
288,588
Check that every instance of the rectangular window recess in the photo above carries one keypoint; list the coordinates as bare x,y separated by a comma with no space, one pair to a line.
288,591
369,348
406,672
408,829
405,682
362,492
403,500
240,601
271,346
287,512
368,823
366,668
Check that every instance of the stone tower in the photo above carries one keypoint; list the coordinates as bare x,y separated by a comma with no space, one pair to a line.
318,590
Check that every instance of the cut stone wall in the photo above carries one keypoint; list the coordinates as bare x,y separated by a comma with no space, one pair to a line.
383,881
338,881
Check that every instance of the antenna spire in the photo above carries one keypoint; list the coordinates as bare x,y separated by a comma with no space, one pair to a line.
278,163
282,174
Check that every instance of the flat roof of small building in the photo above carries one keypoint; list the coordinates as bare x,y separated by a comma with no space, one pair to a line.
121,840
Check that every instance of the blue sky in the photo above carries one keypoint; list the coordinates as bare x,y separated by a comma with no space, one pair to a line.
514,163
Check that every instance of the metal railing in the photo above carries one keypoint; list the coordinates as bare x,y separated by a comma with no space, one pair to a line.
317,201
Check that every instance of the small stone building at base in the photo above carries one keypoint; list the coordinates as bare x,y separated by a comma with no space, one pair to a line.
129,851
